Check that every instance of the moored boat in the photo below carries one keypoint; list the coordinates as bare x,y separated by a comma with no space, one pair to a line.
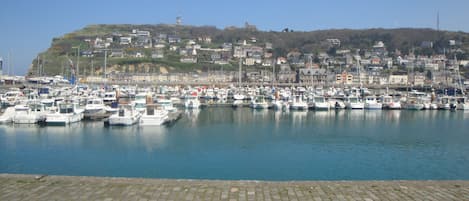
298,103
30,113
94,108
390,102
192,101
354,102
371,103
125,116
259,102
67,112
153,116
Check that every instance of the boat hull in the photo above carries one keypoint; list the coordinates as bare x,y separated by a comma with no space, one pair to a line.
57,119
28,119
152,120
116,120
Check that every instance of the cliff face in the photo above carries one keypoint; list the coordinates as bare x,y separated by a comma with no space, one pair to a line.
147,48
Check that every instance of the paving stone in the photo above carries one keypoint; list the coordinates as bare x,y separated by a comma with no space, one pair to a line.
28,187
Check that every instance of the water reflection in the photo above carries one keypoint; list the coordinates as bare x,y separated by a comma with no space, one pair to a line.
392,116
152,137
192,115
12,129
354,115
260,113
298,117
465,114
226,143
373,115
68,129
278,117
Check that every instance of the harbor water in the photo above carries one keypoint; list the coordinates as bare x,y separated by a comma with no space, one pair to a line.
226,143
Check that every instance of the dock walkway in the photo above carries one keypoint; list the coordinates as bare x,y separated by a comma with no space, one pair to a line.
32,187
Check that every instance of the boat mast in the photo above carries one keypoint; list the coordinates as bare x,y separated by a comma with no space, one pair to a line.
446,70
38,70
239,73
359,74
105,64
459,75
273,72
9,63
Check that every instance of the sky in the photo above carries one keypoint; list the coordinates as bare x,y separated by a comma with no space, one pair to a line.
27,27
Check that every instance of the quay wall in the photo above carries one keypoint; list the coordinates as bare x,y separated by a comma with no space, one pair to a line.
42,187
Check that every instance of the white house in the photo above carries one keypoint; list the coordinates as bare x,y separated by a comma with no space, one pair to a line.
125,40
398,79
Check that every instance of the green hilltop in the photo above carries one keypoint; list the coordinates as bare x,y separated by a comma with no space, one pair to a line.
152,51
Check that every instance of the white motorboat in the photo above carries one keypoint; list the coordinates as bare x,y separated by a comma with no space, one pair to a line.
109,98
371,103
319,103
192,101
337,103
11,98
153,116
68,112
166,104
278,104
125,116
140,101
30,113
222,94
237,103
390,103
298,103
259,102
462,103
7,115
444,103
94,107
415,100
353,102
239,96
209,93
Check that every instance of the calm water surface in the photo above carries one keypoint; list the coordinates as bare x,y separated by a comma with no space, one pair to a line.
225,143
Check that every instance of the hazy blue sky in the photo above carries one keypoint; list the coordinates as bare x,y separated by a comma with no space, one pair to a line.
27,27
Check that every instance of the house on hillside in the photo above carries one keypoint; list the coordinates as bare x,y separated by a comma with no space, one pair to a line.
344,78
249,61
312,75
143,42
174,39
238,52
118,53
139,33
398,79
227,46
125,40
332,42
205,39
99,43
188,59
285,74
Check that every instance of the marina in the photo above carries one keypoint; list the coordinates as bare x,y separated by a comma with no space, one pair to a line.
234,101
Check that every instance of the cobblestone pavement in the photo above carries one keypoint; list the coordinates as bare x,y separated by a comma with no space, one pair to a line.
36,187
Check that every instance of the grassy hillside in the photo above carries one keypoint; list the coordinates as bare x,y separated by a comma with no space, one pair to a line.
56,59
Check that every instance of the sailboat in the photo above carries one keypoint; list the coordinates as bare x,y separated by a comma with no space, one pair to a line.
238,96
461,102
